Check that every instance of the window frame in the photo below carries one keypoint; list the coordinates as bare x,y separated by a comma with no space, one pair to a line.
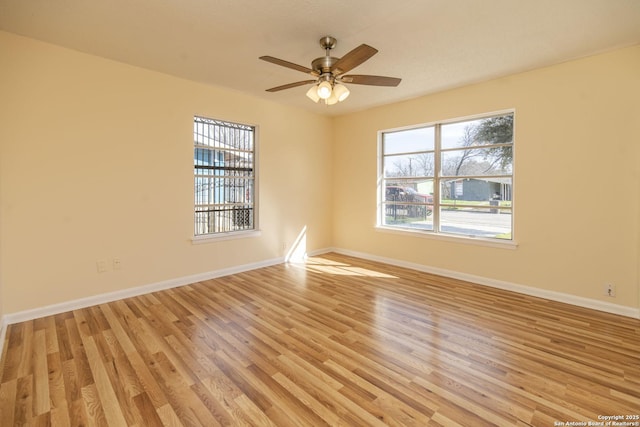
438,177
252,177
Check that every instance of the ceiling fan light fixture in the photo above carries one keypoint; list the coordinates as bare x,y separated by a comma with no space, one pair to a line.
341,92
324,90
312,94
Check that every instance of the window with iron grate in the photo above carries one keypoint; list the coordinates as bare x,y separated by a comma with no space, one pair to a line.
224,177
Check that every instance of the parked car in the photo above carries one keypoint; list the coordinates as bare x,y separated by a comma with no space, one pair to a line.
424,202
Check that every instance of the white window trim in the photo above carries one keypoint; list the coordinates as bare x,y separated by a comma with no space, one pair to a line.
479,241
218,237
432,234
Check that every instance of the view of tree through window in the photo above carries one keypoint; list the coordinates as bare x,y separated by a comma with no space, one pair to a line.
453,178
224,176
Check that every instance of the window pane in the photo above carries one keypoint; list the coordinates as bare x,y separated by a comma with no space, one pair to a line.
459,135
409,141
493,130
477,161
409,165
409,203
407,217
415,191
476,222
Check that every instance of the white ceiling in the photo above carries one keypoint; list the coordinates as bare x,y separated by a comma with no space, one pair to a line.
431,44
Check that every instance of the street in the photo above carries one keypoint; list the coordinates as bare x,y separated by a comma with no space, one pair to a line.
479,224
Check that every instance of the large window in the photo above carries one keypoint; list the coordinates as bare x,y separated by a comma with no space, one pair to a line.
451,178
224,176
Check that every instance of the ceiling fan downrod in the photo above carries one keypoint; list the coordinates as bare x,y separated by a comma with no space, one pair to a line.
323,64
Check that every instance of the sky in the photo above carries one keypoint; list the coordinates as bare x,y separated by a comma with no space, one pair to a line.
423,138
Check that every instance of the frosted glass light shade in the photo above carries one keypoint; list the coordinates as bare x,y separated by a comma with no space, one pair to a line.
341,92
333,99
324,90
313,93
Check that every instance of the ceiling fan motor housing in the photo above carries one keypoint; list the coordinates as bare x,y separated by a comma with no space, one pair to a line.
323,65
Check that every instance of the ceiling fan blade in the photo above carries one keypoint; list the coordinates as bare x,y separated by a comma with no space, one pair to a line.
290,85
352,59
360,79
287,64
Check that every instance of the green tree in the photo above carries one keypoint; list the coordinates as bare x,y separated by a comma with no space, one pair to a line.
497,130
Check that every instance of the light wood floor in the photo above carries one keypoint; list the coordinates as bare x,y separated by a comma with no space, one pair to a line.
338,341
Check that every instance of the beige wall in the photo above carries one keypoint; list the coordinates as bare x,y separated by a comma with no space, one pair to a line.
577,171
1,244
96,163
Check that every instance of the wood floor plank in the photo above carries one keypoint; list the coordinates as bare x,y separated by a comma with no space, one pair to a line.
70,378
256,416
59,404
23,413
25,366
327,415
41,399
148,416
64,344
51,335
78,415
147,380
83,375
107,396
93,410
168,416
336,341
8,394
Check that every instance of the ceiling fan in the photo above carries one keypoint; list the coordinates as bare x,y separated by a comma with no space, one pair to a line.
329,73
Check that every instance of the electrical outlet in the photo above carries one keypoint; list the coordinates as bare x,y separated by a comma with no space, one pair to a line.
117,264
101,265
610,290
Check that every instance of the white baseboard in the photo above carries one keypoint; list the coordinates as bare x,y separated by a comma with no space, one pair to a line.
522,289
318,252
63,307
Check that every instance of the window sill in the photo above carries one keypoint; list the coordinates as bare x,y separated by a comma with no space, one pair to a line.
209,238
479,241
